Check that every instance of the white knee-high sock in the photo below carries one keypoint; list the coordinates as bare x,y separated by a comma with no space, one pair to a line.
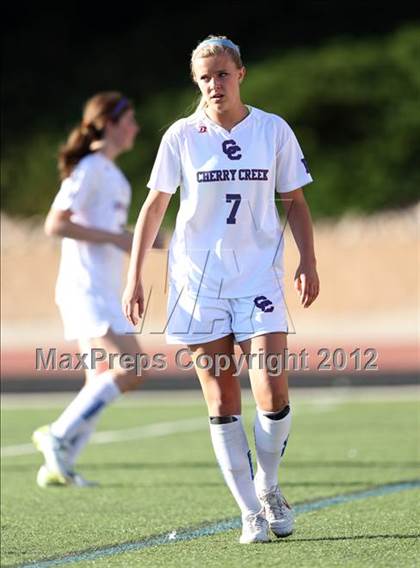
234,457
81,439
87,428
271,431
90,401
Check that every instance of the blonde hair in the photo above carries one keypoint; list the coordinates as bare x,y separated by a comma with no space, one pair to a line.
88,136
210,49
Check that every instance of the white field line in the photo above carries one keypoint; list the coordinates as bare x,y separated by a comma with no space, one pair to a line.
320,404
19,450
107,437
306,396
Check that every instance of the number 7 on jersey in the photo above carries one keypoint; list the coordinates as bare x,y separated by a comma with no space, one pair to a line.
236,198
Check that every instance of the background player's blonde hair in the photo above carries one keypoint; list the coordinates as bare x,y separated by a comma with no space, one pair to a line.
208,50
87,137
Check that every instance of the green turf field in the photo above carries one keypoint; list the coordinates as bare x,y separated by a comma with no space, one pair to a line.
161,489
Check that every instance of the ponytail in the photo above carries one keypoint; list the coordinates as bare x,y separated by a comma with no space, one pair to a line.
88,137
80,143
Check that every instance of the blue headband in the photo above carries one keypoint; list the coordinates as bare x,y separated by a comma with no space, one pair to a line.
222,42
122,103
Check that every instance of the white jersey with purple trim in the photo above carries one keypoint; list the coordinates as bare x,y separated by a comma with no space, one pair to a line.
228,236
98,194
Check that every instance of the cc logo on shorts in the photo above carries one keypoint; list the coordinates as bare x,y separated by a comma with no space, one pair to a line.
264,304
231,149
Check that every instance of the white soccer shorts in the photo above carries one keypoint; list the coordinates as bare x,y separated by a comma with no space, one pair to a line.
193,320
86,317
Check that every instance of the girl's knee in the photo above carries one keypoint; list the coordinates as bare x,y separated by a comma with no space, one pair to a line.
223,404
272,401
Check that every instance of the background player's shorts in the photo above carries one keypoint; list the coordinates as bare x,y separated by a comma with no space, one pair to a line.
85,316
193,320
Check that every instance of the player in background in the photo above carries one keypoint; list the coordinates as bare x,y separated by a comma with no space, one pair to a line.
225,268
89,213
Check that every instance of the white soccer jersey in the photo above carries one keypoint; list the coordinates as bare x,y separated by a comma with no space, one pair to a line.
98,194
228,236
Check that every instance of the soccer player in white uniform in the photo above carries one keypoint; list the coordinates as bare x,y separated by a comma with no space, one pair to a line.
225,267
89,213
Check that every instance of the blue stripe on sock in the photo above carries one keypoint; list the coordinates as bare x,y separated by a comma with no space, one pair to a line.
250,464
96,406
284,446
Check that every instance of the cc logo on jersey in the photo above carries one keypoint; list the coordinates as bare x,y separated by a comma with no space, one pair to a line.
231,149
264,304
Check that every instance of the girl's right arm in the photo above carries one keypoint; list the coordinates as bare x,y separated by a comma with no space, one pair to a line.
147,227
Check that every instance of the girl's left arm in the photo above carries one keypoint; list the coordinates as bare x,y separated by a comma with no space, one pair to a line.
300,221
